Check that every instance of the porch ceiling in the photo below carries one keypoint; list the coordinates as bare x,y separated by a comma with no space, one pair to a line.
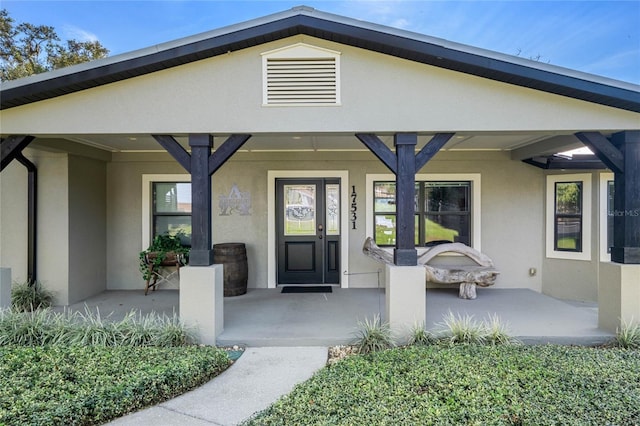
312,142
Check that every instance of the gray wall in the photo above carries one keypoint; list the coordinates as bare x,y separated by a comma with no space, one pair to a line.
576,279
87,227
512,209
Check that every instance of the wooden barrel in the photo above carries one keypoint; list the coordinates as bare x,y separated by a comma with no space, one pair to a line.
234,258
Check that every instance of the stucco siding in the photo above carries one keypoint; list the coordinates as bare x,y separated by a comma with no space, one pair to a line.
87,228
575,279
224,95
53,223
13,223
511,210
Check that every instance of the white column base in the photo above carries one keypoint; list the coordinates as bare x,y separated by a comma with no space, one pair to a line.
5,288
618,295
406,301
202,301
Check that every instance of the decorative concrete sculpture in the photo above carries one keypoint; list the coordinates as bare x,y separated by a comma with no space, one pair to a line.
484,274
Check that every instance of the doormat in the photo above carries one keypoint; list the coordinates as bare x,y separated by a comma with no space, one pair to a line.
307,289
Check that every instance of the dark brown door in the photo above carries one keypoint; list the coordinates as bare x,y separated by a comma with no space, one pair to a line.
308,230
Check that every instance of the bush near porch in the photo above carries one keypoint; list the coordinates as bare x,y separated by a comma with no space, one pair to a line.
82,385
469,385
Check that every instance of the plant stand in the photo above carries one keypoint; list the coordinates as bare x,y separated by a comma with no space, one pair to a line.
163,272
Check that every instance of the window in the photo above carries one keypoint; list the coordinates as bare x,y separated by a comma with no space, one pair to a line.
568,216
442,212
166,206
606,215
172,209
568,230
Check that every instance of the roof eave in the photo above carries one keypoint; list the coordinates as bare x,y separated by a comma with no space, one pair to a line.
306,21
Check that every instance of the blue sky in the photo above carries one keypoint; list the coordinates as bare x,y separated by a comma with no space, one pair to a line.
598,37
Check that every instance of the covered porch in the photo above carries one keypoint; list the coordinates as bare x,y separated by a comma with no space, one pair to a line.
266,317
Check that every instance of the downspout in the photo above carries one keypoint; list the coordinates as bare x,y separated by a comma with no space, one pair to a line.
32,192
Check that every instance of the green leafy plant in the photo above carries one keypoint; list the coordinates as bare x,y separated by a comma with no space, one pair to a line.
163,248
29,296
74,328
497,332
469,385
462,329
628,335
419,336
373,336
90,385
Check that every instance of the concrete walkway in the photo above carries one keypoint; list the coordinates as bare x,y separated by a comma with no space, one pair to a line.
256,380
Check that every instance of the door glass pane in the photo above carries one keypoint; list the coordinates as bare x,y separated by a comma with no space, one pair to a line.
300,209
333,209
172,197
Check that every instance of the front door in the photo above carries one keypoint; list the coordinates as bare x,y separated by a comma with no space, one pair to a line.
308,231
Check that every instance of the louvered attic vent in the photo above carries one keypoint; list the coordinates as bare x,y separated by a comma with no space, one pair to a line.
301,75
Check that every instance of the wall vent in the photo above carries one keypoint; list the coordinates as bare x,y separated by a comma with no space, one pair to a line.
301,75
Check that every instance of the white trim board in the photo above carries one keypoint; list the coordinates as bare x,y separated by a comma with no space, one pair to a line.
272,175
587,207
604,215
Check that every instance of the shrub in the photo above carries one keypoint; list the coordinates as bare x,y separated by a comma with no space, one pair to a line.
373,336
29,296
62,385
461,329
455,329
45,327
469,385
628,335
419,336
497,333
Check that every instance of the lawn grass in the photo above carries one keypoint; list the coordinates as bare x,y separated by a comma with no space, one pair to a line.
82,385
469,385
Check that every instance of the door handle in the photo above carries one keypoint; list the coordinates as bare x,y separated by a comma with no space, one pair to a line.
320,229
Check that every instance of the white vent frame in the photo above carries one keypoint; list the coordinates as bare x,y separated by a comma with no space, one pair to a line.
301,55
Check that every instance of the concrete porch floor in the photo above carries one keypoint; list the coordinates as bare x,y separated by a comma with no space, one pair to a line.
266,317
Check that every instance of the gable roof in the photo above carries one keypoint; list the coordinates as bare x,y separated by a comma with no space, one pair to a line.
308,21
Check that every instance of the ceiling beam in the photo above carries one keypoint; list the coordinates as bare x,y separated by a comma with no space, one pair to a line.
175,150
380,150
604,150
12,147
550,146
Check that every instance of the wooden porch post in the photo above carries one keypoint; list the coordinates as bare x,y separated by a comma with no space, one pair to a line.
405,253
622,156
201,249
201,164
404,164
626,220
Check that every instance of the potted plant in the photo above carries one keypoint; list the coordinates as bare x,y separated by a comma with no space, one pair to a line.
165,250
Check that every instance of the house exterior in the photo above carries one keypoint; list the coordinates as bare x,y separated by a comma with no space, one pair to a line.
302,133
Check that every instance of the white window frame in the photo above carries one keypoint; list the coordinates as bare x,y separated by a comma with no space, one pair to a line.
604,214
300,51
551,252
147,201
476,219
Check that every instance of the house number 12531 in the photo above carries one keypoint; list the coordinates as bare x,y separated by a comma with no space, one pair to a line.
354,207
